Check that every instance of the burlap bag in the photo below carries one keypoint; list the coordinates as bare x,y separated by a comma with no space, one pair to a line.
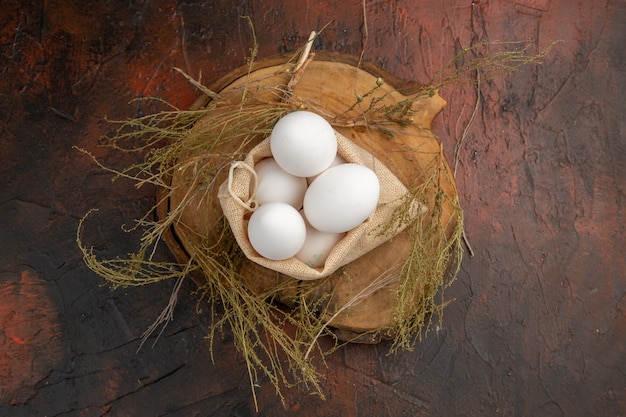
235,193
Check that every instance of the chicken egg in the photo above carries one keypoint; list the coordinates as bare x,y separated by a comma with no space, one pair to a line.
277,185
317,246
337,161
276,231
303,143
341,198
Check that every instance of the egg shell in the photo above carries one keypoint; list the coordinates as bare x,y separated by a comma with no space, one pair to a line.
317,246
341,198
277,185
276,231
303,143
337,161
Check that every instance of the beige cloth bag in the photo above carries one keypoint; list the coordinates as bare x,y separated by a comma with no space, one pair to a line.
235,197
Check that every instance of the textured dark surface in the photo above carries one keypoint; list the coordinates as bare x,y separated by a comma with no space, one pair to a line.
537,327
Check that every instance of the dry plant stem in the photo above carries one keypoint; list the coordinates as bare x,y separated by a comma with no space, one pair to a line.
457,150
491,64
380,282
254,323
364,40
305,53
165,317
459,144
211,94
467,244
296,77
365,34
303,61
433,255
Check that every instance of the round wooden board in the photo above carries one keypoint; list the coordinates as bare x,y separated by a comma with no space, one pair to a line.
331,85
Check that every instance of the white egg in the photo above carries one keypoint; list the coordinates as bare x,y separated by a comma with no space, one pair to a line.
303,143
276,231
341,198
317,246
277,185
337,161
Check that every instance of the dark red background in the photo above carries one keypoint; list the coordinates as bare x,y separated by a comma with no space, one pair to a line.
537,325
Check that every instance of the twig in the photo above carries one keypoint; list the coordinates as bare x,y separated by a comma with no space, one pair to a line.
211,94
305,53
62,114
457,149
381,282
166,315
469,247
